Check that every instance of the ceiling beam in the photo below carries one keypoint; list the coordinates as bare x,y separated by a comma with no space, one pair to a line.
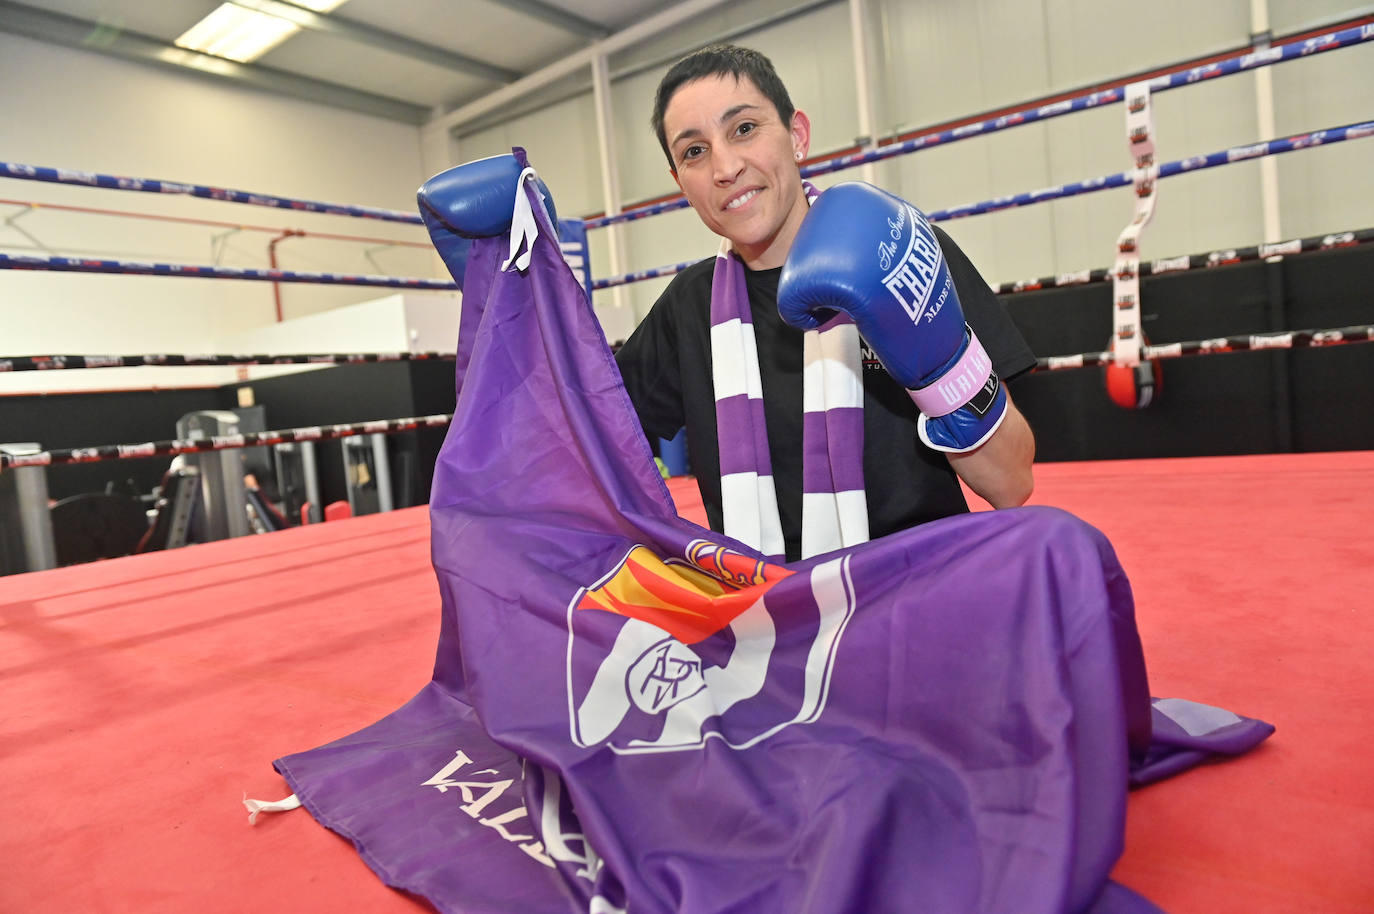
559,69
574,86
357,32
568,22
84,35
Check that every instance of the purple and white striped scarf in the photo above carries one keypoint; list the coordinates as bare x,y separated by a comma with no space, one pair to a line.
834,513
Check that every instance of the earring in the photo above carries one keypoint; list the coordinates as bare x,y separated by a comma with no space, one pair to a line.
799,157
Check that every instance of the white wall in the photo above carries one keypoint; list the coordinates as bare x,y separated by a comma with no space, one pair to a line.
80,110
1324,189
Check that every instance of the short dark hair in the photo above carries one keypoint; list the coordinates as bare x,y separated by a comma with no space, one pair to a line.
720,60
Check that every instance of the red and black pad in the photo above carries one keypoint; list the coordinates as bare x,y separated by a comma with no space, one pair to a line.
1134,387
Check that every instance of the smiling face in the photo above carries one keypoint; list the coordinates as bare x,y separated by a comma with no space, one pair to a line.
739,164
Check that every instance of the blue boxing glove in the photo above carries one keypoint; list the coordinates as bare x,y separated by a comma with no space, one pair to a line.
874,257
474,200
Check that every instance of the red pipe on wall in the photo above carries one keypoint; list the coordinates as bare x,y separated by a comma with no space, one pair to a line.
272,259
158,217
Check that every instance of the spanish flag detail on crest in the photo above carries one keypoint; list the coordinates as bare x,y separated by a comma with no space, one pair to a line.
689,601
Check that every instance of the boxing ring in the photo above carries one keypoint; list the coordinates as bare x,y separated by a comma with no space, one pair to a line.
144,696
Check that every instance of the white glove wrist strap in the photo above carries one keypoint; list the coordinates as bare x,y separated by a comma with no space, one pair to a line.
957,386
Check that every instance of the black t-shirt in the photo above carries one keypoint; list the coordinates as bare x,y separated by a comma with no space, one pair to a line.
666,366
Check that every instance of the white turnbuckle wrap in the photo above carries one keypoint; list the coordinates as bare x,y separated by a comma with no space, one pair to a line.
1126,337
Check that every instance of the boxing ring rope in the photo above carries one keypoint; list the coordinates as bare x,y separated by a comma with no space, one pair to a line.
1288,339
1285,339
219,443
24,172
1210,260
1167,170
214,223
69,362
1220,257
143,268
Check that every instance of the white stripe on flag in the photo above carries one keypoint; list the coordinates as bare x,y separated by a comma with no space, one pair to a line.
834,594
742,676
1195,718
607,702
746,672
556,840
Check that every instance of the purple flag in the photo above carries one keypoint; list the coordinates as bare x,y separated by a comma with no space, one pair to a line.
631,713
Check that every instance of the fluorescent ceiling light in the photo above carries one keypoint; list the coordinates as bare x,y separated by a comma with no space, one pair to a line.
237,33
